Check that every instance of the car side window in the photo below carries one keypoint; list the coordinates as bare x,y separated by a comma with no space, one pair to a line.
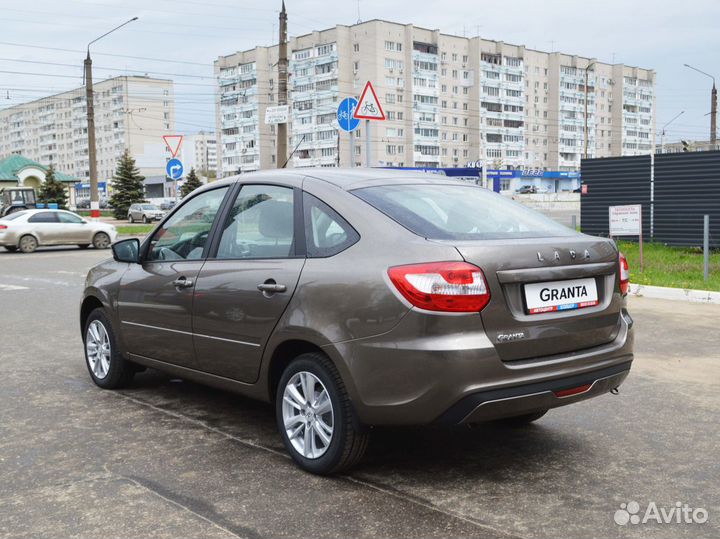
43,217
69,218
184,234
326,232
260,224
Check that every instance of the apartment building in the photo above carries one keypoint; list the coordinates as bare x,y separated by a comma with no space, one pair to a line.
130,113
199,151
449,101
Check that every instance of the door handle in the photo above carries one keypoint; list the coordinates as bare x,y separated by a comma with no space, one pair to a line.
182,282
271,287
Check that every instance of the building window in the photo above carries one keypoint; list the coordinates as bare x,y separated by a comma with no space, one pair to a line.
323,50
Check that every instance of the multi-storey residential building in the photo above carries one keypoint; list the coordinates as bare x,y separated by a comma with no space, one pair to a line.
199,151
130,113
449,100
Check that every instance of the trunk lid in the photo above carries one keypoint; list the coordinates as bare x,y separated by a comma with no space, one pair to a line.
509,265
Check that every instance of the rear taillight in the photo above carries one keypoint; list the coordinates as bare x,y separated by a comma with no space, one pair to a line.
3,227
624,275
442,286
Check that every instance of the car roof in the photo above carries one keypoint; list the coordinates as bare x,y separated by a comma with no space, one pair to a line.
38,210
344,178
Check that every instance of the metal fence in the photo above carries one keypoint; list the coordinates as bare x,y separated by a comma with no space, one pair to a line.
675,190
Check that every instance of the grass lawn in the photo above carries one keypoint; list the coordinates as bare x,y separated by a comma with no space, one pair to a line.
674,267
134,230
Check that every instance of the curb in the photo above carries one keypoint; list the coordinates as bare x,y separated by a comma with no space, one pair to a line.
675,294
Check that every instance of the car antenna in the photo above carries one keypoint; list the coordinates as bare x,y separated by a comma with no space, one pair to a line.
293,152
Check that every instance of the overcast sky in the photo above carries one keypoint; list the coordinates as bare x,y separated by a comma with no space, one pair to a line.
181,38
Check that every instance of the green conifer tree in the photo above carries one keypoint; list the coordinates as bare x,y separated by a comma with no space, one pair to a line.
128,186
52,190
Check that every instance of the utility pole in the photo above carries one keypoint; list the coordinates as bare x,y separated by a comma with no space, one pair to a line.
90,107
281,150
585,153
713,105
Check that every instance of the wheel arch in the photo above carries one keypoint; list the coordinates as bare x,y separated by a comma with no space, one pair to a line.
89,304
285,352
281,357
21,236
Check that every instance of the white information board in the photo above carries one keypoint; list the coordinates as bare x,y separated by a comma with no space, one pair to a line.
276,115
626,220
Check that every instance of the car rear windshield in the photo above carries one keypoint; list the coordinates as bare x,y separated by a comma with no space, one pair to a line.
459,212
149,207
13,215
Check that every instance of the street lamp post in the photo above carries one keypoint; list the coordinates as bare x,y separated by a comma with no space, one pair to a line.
713,106
662,133
587,68
92,158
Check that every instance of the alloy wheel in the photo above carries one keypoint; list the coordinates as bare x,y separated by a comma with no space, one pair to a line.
97,348
308,416
102,241
28,244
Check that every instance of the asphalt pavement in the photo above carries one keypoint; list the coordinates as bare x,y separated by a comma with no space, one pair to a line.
169,458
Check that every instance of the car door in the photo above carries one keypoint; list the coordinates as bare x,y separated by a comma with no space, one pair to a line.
73,228
156,296
46,227
243,290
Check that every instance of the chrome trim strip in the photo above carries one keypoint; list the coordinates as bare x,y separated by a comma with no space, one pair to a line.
156,327
223,339
190,333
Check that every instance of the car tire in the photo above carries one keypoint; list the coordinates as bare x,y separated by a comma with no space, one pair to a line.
145,219
101,241
84,245
28,244
520,420
107,368
130,218
11,248
346,445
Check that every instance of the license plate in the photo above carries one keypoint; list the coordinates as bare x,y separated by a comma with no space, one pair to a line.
560,295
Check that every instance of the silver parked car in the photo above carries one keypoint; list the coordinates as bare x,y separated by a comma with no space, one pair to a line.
145,213
357,298
28,229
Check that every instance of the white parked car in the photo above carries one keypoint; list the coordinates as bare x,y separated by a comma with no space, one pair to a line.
28,229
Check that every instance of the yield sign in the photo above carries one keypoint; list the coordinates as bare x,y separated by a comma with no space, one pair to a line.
368,107
173,143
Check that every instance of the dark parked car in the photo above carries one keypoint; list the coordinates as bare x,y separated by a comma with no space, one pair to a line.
526,190
354,298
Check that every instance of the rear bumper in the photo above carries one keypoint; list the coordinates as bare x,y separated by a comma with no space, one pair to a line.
446,369
520,400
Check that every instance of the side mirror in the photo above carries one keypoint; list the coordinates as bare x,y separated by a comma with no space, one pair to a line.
127,250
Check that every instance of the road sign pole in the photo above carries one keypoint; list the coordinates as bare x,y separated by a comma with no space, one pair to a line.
352,149
367,143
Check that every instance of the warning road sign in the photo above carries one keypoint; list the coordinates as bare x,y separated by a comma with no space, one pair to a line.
173,143
368,107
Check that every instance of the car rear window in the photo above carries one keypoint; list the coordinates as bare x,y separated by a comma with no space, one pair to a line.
459,212
14,215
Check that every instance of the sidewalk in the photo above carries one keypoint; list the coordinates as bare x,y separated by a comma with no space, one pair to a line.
675,294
